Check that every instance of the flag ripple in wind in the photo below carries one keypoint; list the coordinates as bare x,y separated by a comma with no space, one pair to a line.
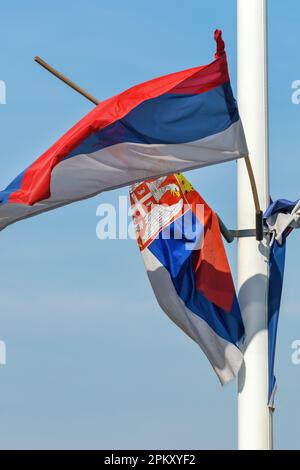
180,121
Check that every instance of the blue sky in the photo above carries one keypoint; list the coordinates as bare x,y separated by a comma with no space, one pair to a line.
92,362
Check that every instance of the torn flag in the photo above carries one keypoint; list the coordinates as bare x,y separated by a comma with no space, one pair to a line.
281,217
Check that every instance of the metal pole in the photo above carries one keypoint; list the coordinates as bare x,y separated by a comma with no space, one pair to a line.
254,416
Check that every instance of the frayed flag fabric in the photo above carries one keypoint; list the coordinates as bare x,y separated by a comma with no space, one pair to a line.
182,249
280,219
180,121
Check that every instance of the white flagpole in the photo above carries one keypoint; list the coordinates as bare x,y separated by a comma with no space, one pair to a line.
254,416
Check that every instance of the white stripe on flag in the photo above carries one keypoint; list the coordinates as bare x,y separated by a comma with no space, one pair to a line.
225,358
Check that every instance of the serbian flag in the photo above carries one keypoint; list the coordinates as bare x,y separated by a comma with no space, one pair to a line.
180,121
281,217
181,245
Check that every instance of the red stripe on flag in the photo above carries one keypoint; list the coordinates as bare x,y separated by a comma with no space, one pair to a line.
213,275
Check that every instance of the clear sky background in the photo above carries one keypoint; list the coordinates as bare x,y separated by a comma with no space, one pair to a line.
92,361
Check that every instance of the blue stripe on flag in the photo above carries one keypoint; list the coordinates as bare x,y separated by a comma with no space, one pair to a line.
168,119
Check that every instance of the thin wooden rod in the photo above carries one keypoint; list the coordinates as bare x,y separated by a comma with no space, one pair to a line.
66,80
253,185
